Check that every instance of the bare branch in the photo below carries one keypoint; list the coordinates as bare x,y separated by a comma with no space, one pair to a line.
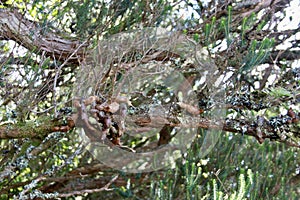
36,39
81,192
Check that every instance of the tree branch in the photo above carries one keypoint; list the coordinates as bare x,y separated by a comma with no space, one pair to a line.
81,192
286,55
27,129
34,37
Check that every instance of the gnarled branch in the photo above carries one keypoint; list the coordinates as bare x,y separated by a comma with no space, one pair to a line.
35,37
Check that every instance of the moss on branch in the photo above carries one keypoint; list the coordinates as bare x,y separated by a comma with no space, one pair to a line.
29,129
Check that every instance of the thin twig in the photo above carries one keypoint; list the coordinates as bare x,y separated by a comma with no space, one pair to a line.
80,192
57,74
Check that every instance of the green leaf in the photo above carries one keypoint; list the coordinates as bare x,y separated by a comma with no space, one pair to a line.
196,37
280,92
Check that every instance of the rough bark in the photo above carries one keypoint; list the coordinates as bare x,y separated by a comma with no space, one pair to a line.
41,40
